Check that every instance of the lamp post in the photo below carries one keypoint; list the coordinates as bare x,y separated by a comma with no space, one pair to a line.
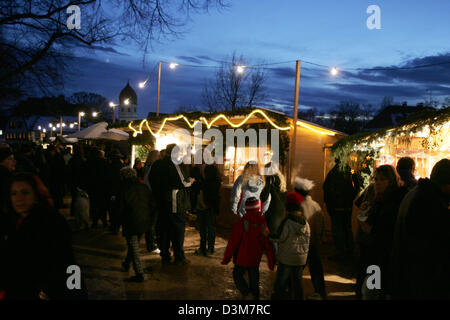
159,84
295,116
334,72
80,114
113,105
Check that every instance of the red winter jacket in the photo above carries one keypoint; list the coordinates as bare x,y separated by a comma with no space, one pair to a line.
248,243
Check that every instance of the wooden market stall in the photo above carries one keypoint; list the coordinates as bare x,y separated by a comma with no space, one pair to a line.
424,136
312,152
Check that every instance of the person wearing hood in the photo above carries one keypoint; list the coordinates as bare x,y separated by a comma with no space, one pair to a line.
420,261
405,169
293,244
249,185
246,246
316,220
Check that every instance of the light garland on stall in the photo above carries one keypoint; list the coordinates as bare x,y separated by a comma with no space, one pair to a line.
220,116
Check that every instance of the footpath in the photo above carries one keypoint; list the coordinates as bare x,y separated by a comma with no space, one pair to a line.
100,253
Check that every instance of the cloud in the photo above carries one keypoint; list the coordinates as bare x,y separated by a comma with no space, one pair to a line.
189,59
318,89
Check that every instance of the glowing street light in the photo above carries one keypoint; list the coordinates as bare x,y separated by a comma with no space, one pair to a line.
113,105
127,101
173,65
94,114
39,127
240,69
142,84
334,71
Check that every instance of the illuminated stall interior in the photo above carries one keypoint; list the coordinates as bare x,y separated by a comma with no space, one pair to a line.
425,138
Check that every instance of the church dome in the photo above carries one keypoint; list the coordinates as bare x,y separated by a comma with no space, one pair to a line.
128,93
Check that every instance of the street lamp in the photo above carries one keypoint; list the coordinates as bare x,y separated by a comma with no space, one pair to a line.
159,85
240,69
334,72
172,65
80,114
113,105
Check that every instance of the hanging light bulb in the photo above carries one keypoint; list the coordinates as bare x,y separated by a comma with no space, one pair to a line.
94,114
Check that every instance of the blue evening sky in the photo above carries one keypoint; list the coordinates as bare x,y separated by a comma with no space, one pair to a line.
327,32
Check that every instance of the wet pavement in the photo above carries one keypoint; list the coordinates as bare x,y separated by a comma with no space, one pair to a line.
100,253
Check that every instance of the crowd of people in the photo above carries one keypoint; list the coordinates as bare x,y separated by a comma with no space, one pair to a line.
402,222
401,229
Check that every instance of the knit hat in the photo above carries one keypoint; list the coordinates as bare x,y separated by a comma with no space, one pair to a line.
5,152
252,205
293,201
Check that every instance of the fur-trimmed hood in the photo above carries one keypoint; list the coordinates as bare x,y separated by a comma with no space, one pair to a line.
303,184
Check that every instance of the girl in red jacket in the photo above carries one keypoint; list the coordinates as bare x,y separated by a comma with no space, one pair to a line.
246,245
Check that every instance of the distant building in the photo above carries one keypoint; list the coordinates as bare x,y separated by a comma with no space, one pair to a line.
128,104
393,116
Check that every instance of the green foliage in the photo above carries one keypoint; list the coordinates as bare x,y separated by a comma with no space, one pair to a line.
142,152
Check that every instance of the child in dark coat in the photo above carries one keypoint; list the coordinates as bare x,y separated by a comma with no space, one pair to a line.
246,245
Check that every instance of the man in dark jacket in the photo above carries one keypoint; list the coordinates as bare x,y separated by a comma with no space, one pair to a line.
134,213
340,189
172,219
421,249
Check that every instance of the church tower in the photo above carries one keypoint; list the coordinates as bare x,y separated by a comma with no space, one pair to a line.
128,104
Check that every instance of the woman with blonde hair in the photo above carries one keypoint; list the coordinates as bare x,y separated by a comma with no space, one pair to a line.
249,184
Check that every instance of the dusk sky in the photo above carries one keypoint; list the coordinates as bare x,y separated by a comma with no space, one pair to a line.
326,32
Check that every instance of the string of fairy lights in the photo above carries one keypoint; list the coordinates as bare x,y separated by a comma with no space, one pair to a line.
240,69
